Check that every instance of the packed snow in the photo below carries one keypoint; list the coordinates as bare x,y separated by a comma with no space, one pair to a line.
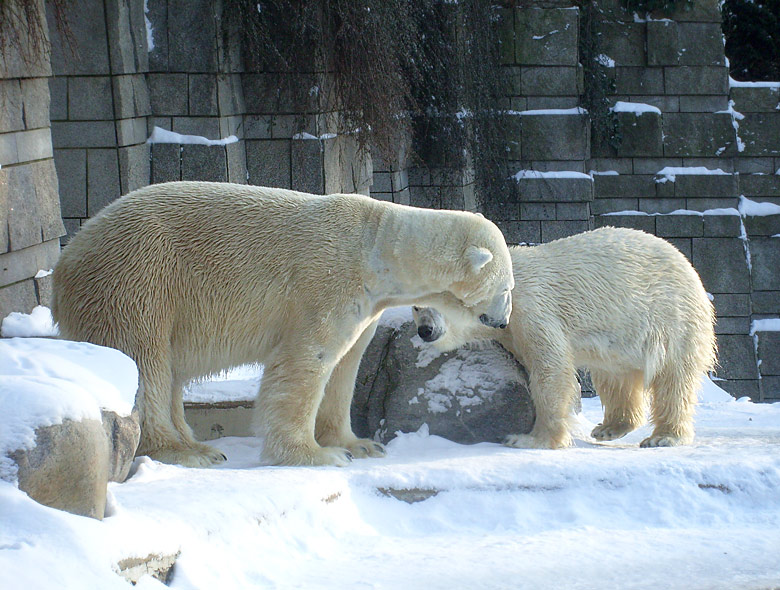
160,135
432,514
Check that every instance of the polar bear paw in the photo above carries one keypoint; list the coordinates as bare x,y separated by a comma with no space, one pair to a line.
525,441
611,431
365,447
199,455
662,440
335,456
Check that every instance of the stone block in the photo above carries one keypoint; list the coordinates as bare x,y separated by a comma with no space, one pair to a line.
429,197
306,165
555,230
641,222
703,103
708,203
58,92
555,137
34,144
696,80
168,94
127,37
90,98
11,106
131,97
236,160
268,163
258,126
722,226
555,189
157,13
203,95
699,11
192,23
732,304
759,185
769,352
651,166
24,229
699,134
103,185
521,232
706,185
204,162
8,152
20,265
755,99
131,131
44,176
683,245
764,257
624,185
495,209
661,205
571,211
739,388
763,225
134,167
165,162
88,57
748,166
207,127
732,325
19,297
546,37
72,175
35,93
537,211
722,265
4,204
736,357
765,302
506,36
624,42
770,389
599,206
662,43
83,134
633,81
701,44
230,95
549,81
641,135
679,226
760,133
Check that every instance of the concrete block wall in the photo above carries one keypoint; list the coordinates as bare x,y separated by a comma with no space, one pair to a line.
682,113
30,222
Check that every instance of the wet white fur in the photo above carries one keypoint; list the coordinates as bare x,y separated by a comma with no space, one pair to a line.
625,305
191,278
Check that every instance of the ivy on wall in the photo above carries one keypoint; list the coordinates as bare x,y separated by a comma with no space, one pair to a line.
752,31
23,27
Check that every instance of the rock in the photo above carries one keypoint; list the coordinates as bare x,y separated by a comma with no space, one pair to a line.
467,396
68,468
157,565
124,434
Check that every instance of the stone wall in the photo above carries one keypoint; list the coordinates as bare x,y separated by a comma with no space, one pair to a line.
30,223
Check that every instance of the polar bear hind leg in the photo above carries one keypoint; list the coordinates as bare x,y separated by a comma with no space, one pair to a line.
333,426
623,398
673,393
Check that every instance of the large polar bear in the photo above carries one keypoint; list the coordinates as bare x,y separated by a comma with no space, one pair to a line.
625,305
190,278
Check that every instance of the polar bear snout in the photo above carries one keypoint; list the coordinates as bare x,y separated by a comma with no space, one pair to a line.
492,322
430,323
429,333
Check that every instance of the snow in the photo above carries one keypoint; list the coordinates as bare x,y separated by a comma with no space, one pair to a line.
45,381
756,209
669,173
521,174
718,211
38,323
160,135
149,30
605,60
305,135
737,84
765,325
637,108
536,112
598,515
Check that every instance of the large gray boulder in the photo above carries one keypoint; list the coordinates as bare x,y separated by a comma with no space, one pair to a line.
474,394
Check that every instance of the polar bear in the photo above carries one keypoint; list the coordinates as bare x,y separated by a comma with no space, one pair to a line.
190,278
621,303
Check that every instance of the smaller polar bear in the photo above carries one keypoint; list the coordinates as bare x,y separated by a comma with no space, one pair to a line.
625,305
190,278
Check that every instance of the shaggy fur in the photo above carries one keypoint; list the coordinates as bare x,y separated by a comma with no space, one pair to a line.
191,278
625,305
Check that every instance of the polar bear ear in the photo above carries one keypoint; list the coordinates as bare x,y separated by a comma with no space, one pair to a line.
478,257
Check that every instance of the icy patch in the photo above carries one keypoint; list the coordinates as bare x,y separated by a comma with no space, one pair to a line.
160,135
638,108
755,209
765,325
521,174
670,173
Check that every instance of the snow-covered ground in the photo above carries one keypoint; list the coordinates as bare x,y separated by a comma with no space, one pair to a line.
600,516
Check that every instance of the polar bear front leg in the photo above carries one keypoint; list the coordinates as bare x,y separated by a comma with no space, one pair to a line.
333,426
286,408
553,387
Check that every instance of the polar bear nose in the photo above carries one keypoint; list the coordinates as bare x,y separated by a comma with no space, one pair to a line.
425,332
493,323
